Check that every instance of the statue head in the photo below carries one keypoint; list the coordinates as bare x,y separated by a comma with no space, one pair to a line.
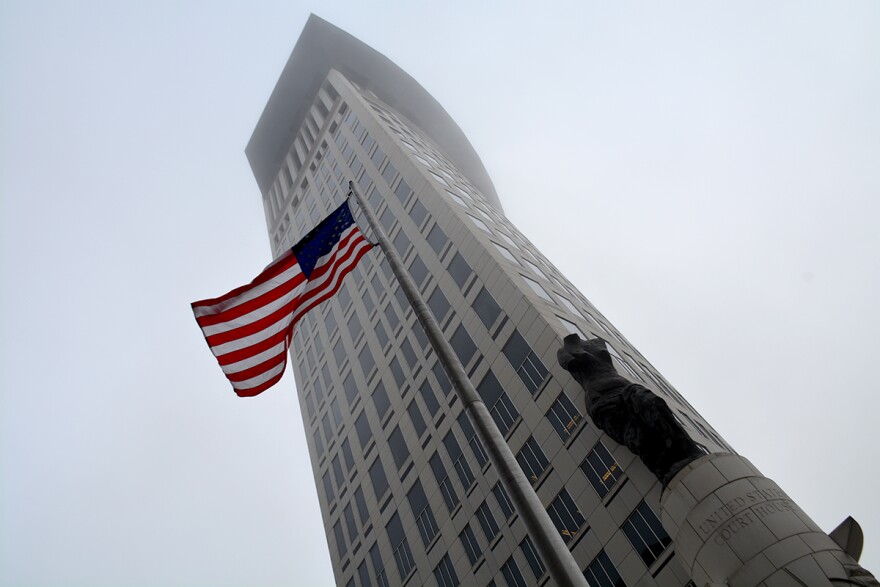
590,357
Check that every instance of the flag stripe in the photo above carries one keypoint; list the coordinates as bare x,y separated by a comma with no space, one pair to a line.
280,315
261,299
257,313
275,268
241,353
252,391
329,286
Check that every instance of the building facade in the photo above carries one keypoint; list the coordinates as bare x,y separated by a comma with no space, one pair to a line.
407,493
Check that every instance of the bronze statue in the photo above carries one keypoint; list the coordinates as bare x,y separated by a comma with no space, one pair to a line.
628,412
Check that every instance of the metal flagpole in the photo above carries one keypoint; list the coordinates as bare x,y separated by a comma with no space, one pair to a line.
560,563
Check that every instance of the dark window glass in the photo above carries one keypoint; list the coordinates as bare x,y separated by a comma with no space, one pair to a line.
601,469
381,334
527,364
397,372
603,573
532,557
328,487
402,302
425,520
400,546
503,500
367,299
502,409
463,345
403,191
377,157
646,534
328,428
319,443
415,415
471,546
401,243
472,440
439,304
347,152
532,460
367,141
399,450
486,308
350,524
564,416
380,400
459,462
565,515
430,398
389,173
442,378
366,359
391,316
437,239
354,326
362,505
418,213
408,353
444,573
459,270
347,457
417,270
337,471
378,288
420,335
310,405
344,298
364,575
387,219
362,425
337,414
330,321
487,521
380,481
512,575
444,482
350,388
341,545
378,566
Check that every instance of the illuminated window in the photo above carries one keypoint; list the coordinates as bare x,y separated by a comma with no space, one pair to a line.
646,533
564,416
601,469
532,460
565,516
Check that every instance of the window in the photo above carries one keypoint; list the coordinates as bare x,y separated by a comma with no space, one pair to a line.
503,500
443,481
527,364
565,516
437,239
505,253
408,353
381,334
564,417
328,487
347,457
471,546
417,270
415,416
400,546
487,521
502,409
463,345
364,574
646,534
337,415
459,462
403,191
378,566
363,429
397,372
418,213
444,573
430,398
438,178
337,471
480,224
512,575
310,405
568,306
367,141
536,287
401,243
380,400
438,304
341,545
348,514
377,157
442,379
319,443
571,327
392,318
532,460
399,450
456,199
350,388
387,219
603,573
362,505
378,478
532,557
389,173
425,521
459,270
486,308
601,469
366,359
473,441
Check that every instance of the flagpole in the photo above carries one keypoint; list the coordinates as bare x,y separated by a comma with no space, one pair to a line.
560,563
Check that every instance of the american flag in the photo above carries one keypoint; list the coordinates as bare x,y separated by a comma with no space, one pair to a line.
249,329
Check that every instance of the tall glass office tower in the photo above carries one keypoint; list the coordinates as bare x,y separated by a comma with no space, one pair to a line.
407,494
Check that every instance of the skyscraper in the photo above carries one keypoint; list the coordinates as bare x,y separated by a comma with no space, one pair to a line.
406,490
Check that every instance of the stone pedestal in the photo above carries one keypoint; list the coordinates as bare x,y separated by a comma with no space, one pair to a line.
732,526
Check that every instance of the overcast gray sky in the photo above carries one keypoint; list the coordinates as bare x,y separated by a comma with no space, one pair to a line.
705,172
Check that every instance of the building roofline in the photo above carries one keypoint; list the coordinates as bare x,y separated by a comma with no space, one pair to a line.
322,47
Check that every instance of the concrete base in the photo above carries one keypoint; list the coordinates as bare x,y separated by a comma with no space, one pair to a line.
732,526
